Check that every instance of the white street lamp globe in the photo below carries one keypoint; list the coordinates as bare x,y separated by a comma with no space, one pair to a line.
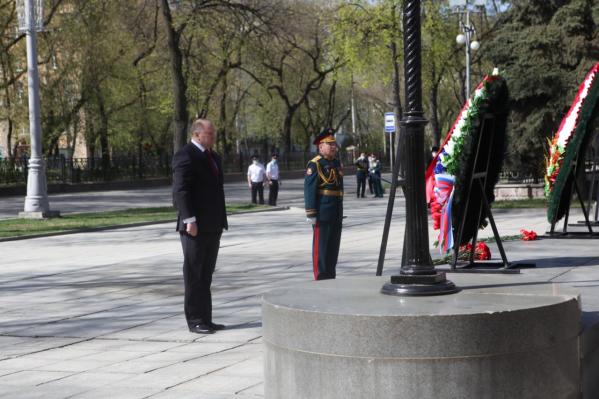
475,45
460,39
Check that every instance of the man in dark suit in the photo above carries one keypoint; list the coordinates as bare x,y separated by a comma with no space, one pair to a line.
199,197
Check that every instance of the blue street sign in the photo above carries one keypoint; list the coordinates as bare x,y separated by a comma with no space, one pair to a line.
389,122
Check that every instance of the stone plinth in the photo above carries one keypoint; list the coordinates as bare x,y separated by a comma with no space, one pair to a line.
507,191
343,339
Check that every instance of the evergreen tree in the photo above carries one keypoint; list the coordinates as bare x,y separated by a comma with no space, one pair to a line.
544,48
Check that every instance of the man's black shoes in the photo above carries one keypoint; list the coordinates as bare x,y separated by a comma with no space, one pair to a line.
202,328
206,327
215,326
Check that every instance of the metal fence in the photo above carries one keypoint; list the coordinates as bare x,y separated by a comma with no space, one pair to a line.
78,170
13,171
89,170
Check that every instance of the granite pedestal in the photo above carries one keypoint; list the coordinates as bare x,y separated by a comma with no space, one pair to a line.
343,339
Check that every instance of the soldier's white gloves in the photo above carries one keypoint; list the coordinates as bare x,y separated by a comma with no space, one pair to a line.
312,221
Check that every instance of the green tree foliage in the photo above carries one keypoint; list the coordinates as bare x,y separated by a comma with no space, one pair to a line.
544,48
127,80
293,62
368,35
438,32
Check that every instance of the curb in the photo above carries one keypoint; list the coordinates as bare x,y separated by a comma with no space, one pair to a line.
125,226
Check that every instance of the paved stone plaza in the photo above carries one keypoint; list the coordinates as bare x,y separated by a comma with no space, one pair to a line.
100,315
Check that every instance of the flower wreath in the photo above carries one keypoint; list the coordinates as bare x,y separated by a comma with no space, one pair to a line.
569,141
451,169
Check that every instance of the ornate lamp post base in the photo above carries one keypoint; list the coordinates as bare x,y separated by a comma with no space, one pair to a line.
37,205
415,285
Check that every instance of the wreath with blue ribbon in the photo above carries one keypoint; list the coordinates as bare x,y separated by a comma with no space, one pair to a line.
449,173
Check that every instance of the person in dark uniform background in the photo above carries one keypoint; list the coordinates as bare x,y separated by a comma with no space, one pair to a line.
323,196
375,173
199,197
361,174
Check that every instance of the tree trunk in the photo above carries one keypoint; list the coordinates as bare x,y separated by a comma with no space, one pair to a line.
103,131
222,118
181,115
9,149
73,143
434,115
287,133
145,126
90,137
11,153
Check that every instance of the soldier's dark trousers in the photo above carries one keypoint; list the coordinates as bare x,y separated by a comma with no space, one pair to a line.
378,186
273,192
325,249
361,179
258,191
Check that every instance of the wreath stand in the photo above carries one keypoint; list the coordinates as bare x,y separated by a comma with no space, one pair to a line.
594,156
578,162
574,189
478,181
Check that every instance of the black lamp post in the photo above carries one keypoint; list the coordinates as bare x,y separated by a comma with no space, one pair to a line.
417,275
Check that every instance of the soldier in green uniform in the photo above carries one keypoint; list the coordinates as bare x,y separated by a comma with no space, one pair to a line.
323,195
361,172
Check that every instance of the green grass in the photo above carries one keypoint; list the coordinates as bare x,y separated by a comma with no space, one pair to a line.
86,221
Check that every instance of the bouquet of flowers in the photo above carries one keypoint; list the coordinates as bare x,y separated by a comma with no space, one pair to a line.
568,142
481,251
528,235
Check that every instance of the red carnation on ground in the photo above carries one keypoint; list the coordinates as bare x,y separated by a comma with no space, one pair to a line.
482,251
466,248
528,235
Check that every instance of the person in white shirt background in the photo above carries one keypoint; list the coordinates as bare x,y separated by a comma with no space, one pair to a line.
272,174
256,177
370,180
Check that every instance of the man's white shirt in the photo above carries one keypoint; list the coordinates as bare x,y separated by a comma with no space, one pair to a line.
256,173
272,170
201,147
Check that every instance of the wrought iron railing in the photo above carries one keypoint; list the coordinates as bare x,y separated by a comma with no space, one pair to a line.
89,170
78,170
13,171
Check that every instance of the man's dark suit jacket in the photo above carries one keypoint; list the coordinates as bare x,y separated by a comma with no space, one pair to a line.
198,191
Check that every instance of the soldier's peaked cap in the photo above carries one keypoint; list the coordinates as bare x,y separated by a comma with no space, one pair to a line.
326,136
